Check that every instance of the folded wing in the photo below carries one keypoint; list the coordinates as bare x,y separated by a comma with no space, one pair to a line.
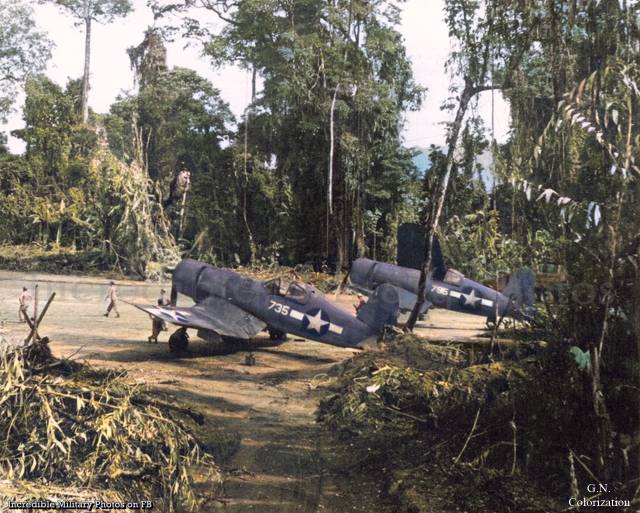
406,299
214,314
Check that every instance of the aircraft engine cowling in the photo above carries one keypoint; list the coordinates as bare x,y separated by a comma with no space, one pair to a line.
199,280
185,276
369,274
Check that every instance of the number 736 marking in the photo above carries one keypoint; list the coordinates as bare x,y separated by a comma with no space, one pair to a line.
279,307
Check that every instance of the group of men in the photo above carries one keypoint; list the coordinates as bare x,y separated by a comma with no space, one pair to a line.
25,299
157,325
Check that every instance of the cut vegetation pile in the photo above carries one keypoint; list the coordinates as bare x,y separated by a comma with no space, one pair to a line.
431,424
65,426
322,281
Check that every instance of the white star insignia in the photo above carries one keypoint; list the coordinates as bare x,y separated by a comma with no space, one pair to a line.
316,322
471,299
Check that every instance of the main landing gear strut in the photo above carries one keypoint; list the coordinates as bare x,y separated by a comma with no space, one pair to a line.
277,335
178,341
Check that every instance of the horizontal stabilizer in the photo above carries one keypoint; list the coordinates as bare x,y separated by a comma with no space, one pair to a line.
521,289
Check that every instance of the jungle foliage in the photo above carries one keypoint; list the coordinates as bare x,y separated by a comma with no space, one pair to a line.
23,50
315,172
330,111
318,153
566,194
435,419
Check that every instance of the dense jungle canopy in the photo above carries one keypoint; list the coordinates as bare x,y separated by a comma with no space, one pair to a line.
316,171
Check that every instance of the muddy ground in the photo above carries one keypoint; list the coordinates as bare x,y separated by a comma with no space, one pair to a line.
260,420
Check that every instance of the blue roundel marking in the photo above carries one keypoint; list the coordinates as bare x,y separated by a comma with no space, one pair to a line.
316,322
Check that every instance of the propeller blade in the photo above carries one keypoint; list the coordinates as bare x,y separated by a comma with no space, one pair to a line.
174,295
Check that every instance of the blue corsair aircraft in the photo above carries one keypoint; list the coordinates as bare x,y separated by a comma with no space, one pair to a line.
231,307
446,288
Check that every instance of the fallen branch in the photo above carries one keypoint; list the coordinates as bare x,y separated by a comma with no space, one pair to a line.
473,428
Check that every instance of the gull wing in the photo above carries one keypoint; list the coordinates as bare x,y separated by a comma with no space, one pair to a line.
213,314
406,299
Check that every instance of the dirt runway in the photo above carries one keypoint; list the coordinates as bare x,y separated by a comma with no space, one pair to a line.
284,462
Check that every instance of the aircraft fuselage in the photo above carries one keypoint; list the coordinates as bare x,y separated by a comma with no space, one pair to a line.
454,292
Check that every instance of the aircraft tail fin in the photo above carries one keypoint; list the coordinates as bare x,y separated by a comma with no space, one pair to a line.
411,246
521,288
382,308
437,262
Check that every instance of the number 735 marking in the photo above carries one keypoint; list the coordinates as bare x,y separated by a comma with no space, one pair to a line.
279,307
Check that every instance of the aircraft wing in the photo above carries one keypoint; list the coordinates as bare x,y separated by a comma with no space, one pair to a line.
214,314
406,299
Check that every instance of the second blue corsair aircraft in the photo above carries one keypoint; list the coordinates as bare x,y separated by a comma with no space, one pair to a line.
446,288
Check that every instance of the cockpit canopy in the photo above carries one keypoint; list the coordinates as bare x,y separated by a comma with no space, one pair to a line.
274,286
296,291
453,277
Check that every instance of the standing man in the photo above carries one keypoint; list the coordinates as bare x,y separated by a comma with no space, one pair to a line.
24,300
163,301
112,296
157,325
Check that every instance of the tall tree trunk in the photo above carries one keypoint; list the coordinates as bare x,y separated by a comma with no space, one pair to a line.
636,332
245,192
331,151
85,76
246,200
433,220
253,83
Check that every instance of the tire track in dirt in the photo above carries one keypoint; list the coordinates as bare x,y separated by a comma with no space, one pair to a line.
282,461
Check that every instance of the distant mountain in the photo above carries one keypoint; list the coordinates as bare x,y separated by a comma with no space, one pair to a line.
422,162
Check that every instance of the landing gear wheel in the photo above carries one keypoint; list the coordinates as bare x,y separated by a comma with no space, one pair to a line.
178,341
276,335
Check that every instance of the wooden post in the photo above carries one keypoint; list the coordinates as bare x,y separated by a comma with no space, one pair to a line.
35,302
34,326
